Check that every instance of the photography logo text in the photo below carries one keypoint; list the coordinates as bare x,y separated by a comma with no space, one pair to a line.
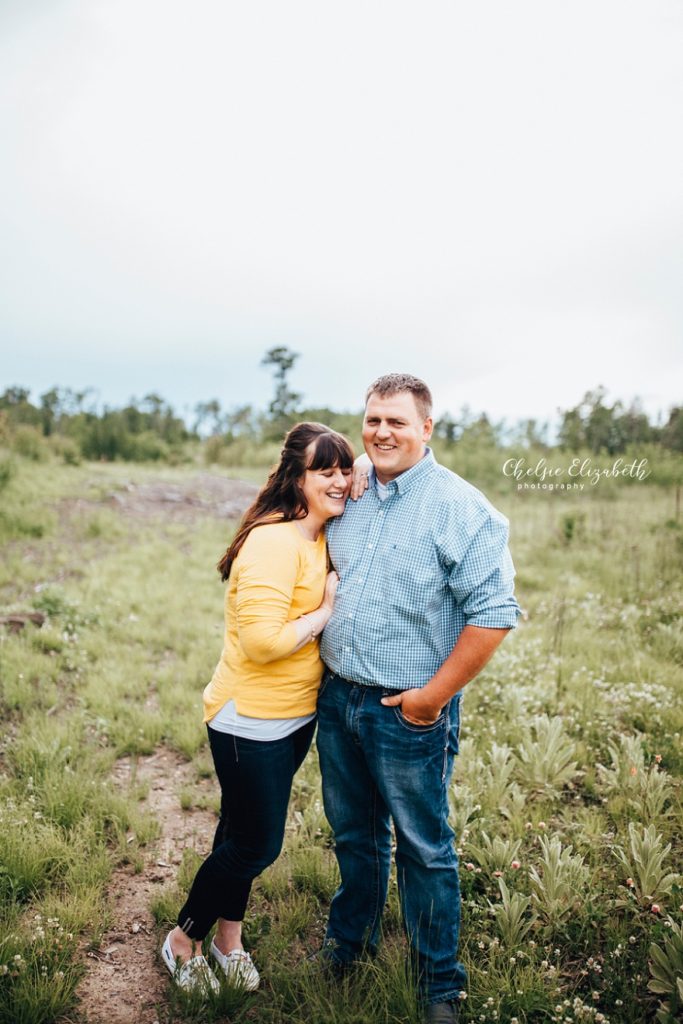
574,476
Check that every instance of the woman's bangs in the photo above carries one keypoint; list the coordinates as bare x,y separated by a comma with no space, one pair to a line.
331,450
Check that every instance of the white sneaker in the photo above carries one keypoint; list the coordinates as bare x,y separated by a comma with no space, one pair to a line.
237,966
194,975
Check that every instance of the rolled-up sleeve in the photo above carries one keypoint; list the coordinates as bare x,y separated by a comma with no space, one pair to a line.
267,575
482,578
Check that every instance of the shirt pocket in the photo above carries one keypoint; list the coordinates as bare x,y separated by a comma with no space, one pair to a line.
412,576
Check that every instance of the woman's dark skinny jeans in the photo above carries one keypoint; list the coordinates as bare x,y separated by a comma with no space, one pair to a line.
256,782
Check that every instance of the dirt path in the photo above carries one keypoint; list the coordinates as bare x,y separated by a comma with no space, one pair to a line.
126,982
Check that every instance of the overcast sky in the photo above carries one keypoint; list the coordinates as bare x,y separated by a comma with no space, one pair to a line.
484,193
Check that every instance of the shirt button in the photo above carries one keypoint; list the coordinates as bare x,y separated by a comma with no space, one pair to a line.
347,648
369,545
350,615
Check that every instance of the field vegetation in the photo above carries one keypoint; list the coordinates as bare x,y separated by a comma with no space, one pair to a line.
567,792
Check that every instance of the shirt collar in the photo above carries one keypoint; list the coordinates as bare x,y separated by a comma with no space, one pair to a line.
406,480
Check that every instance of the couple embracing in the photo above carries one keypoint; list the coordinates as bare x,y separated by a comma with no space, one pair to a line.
377,651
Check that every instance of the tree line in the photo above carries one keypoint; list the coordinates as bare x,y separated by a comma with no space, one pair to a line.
148,429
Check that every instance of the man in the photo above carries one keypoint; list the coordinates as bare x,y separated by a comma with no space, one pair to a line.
425,597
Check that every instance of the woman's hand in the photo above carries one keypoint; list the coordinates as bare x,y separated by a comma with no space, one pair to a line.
331,584
359,480
310,625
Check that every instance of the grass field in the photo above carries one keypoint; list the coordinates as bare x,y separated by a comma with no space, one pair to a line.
567,791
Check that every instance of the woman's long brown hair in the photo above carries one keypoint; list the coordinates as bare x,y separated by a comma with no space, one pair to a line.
282,499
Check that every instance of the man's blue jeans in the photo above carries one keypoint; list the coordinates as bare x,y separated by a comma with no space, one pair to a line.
377,766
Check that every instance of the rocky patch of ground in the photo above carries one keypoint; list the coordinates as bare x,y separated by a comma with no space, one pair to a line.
184,500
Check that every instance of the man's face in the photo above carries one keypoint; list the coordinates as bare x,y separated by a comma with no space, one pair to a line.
394,434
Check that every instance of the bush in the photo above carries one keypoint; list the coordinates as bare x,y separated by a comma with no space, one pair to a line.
145,447
243,451
66,449
213,450
28,441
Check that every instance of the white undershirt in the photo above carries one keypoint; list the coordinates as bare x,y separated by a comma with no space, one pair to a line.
229,720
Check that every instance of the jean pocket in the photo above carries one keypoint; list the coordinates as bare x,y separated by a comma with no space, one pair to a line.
413,726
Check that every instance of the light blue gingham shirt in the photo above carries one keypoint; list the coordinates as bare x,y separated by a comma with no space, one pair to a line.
414,569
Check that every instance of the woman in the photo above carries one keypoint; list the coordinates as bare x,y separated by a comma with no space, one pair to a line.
260,704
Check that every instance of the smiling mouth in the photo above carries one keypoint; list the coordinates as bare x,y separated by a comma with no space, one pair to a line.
385,447
335,495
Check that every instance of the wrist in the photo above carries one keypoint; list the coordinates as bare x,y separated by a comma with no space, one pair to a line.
312,628
326,610
432,699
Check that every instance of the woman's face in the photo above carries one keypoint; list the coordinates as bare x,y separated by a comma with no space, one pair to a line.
326,491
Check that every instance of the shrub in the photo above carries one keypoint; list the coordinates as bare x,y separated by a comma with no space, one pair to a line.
213,449
28,441
66,449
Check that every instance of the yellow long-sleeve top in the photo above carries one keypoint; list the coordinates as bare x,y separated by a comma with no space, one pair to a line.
277,576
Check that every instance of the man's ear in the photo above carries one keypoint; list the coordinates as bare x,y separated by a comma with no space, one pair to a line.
428,428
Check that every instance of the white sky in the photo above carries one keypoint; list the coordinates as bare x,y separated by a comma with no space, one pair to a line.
486,194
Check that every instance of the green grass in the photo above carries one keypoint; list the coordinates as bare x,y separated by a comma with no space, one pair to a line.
570,736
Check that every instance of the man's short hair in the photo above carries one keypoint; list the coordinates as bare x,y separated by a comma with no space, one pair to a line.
394,383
